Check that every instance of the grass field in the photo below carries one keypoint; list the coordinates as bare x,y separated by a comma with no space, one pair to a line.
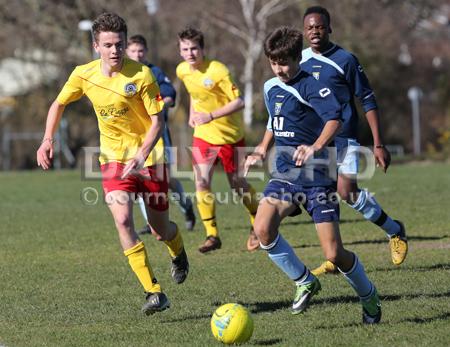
65,282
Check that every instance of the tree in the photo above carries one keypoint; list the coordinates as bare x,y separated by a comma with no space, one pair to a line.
251,32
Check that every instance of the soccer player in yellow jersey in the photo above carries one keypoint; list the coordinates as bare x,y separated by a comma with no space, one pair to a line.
126,100
215,114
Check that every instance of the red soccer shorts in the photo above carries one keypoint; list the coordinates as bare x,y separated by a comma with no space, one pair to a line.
206,153
151,182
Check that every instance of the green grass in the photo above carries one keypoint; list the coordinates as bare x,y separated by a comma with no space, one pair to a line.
65,282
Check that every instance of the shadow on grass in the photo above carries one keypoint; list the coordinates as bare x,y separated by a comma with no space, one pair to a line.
416,320
439,266
260,307
378,241
267,342
188,317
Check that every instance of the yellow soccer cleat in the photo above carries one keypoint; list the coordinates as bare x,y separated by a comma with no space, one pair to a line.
326,267
399,246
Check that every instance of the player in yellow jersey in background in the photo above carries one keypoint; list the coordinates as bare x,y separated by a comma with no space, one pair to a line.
215,114
126,100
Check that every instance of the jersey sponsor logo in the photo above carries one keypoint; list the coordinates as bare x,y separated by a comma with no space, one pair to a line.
130,89
317,66
316,75
280,96
111,111
324,92
277,109
284,133
208,82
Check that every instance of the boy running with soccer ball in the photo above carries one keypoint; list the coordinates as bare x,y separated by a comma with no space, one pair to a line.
305,117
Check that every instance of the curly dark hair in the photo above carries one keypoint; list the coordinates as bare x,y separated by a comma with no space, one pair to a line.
108,22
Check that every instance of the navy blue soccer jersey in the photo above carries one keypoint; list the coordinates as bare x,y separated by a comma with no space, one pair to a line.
165,85
340,71
298,111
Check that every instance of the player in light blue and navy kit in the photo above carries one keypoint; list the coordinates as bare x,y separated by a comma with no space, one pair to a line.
341,71
304,118
137,50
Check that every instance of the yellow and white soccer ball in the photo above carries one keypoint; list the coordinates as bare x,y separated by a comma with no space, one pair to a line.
232,324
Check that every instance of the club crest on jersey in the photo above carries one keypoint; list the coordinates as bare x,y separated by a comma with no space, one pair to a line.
130,89
277,109
208,82
316,75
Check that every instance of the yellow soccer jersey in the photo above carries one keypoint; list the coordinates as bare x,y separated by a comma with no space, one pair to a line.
211,87
122,104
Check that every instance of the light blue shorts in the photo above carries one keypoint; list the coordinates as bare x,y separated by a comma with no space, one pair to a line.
347,156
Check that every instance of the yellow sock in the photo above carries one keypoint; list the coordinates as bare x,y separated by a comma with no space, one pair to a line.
206,205
137,257
251,203
175,245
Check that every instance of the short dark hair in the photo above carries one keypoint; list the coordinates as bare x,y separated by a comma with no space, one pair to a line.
192,34
282,43
108,22
319,10
138,39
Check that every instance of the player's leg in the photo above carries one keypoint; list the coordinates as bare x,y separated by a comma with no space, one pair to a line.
271,212
363,202
204,156
154,186
232,163
146,228
183,201
352,269
120,202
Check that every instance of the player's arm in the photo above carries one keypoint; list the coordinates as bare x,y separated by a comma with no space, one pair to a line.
150,140
329,132
191,121
233,106
359,82
325,104
260,151
166,88
44,154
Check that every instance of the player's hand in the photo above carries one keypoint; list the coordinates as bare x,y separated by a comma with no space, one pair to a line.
201,118
44,154
302,154
191,121
134,165
251,160
382,158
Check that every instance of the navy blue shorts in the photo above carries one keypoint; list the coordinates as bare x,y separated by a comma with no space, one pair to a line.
321,203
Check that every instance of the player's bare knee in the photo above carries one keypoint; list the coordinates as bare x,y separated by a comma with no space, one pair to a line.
262,232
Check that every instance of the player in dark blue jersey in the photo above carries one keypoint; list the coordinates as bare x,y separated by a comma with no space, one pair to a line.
137,50
305,117
340,71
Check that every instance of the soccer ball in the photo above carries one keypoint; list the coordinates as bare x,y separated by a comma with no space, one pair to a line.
232,323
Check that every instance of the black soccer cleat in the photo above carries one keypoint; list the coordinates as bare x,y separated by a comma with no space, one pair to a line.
180,267
155,302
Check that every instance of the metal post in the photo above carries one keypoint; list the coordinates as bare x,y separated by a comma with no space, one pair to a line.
414,95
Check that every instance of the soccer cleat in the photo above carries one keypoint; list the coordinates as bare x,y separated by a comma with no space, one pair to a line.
327,267
252,241
155,302
189,217
371,309
399,245
211,243
145,230
180,267
304,294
